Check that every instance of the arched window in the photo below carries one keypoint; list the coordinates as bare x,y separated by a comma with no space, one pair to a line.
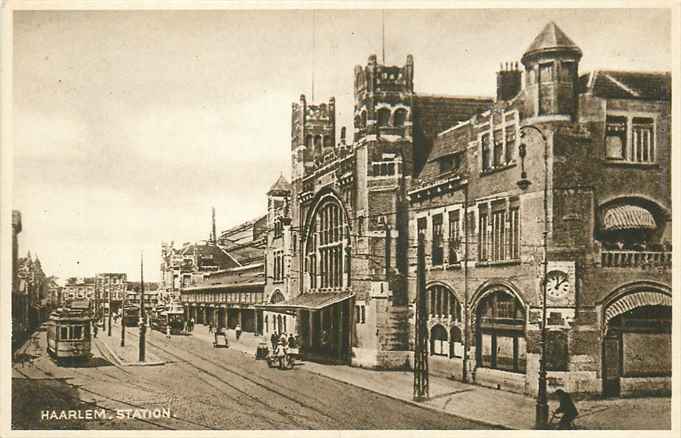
325,249
500,332
443,304
383,117
439,344
358,122
277,297
399,117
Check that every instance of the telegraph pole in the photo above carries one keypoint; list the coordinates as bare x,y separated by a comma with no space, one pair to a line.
421,389
109,330
465,283
143,322
125,300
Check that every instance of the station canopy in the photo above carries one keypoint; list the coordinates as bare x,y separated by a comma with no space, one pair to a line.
309,301
628,217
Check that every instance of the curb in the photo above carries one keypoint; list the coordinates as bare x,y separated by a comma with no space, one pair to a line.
413,403
118,360
393,397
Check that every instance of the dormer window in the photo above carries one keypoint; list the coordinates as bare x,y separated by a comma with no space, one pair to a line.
450,162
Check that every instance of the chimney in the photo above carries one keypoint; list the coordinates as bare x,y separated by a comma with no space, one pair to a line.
509,81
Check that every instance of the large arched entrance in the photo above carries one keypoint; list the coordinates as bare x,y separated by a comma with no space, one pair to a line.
636,338
500,331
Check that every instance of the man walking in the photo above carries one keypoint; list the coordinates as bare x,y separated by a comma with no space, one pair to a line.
237,329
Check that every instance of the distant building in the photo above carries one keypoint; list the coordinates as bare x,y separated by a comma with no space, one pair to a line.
227,297
115,284
80,289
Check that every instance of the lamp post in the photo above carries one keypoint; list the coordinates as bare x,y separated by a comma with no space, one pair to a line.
542,407
143,321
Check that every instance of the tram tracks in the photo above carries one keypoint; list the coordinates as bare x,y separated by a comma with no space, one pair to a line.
270,388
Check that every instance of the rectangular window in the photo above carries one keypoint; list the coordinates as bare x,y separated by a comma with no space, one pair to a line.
437,248
510,143
482,236
454,237
546,72
514,233
642,148
498,235
498,148
486,152
615,137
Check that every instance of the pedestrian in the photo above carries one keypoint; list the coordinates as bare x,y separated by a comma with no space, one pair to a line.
168,331
291,341
237,329
567,408
283,339
273,339
94,329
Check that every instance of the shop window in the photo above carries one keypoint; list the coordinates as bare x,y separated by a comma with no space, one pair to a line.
455,342
439,342
500,333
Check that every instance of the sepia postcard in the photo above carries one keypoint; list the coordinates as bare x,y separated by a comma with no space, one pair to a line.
253,217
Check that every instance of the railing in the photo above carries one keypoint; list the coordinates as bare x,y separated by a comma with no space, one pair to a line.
636,259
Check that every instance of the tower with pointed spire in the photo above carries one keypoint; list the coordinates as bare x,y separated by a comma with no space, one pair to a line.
551,73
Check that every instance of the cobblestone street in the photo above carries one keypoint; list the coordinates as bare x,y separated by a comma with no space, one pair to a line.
204,388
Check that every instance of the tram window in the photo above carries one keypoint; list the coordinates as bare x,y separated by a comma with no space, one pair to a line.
63,332
77,332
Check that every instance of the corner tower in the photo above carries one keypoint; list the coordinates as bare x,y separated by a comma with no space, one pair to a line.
313,131
551,64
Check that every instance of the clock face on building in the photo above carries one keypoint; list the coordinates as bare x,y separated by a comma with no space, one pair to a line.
557,284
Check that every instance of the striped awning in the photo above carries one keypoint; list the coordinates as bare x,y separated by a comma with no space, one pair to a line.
628,217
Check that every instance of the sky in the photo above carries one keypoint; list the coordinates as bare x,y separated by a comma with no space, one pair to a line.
130,125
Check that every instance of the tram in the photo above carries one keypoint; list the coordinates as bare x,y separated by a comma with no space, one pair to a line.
131,315
171,314
68,332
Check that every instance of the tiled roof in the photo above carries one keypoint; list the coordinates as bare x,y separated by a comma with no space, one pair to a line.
280,186
551,37
628,85
434,114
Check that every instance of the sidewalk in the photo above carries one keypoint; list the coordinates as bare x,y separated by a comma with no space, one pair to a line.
110,347
494,407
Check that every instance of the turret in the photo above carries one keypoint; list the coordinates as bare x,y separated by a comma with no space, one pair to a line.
551,65
383,99
313,131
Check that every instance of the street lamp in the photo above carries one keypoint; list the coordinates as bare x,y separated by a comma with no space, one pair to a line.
542,408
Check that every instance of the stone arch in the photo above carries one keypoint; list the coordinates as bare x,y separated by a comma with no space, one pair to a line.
634,295
325,195
492,286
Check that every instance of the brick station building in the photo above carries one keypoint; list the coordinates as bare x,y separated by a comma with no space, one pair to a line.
608,203
343,243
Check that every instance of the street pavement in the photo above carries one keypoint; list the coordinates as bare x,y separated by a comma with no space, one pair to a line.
491,406
203,388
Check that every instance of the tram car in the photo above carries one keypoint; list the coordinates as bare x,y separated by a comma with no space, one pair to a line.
131,315
68,333
171,314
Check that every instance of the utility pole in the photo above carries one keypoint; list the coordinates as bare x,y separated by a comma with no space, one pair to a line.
465,283
143,322
125,300
421,389
109,329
